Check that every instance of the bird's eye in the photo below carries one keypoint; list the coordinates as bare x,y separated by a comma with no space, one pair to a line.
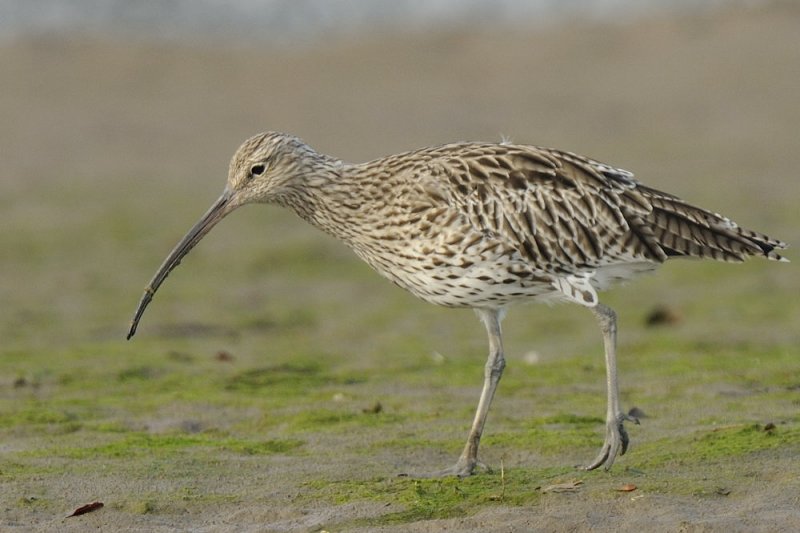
257,170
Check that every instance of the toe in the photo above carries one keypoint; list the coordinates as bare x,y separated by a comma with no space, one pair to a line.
601,458
463,468
616,443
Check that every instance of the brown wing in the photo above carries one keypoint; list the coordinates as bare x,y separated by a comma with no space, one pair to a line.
567,213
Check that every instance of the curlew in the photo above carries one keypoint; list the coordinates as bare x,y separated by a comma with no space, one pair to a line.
483,226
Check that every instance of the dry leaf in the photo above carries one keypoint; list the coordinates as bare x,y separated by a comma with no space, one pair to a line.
627,487
88,508
569,486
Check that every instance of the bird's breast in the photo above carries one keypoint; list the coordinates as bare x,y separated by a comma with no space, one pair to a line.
453,267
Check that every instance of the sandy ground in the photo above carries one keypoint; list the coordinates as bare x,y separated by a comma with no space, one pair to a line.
706,106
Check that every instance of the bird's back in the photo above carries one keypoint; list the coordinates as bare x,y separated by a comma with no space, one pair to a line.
481,224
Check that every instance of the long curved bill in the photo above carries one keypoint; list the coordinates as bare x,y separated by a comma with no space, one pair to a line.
217,212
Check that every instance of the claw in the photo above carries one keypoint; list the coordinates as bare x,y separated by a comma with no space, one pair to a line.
616,442
625,441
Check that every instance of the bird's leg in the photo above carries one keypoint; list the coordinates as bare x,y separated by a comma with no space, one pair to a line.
492,372
616,442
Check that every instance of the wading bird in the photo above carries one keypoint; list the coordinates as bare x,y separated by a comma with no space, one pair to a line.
483,226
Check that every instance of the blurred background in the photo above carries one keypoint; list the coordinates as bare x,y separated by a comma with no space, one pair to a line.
118,120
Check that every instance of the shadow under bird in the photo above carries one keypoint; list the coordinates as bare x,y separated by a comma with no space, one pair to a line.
483,225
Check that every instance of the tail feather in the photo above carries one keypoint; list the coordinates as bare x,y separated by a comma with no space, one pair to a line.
684,230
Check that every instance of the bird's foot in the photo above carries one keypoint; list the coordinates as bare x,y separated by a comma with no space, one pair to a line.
463,468
616,442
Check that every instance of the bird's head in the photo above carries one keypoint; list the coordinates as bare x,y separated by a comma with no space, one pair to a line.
265,169
266,166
